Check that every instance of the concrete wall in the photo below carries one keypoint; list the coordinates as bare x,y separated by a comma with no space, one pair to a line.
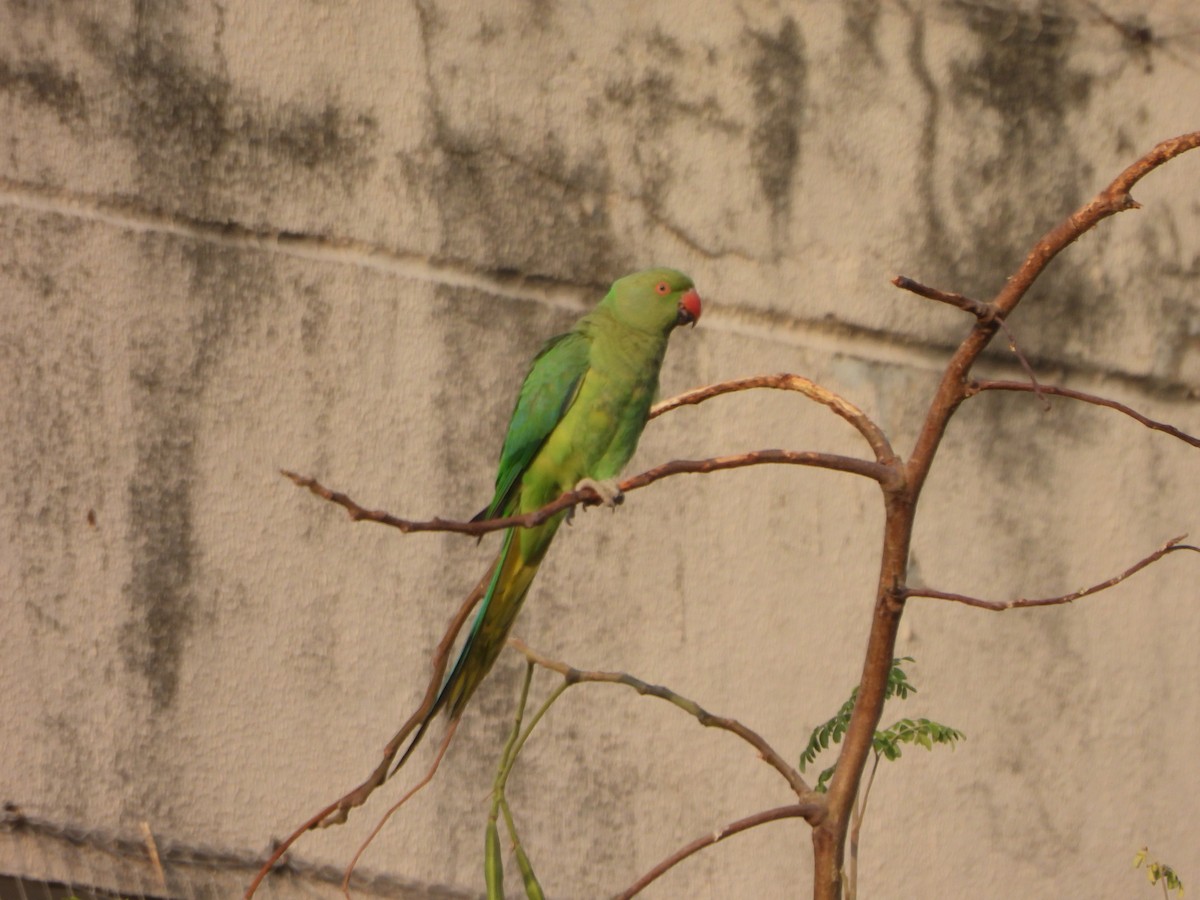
329,237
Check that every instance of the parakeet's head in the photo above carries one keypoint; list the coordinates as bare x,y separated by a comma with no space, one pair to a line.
655,300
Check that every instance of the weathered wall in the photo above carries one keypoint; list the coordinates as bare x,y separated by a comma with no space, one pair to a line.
328,237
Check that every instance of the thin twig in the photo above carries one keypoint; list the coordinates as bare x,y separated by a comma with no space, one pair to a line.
425,779
979,386
1012,345
703,716
856,822
984,312
795,811
512,748
1001,605
508,754
787,382
877,471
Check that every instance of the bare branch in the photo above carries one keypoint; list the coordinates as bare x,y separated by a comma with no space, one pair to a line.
979,386
1163,152
425,779
703,716
1113,199
787,382
902,496
884,474
1001,605
795,811
1012,345
985,312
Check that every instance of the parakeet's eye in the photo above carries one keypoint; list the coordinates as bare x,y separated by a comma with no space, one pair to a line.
663,288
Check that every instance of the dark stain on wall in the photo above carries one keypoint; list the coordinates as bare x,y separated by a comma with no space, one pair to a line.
860,21
508,205
1023,69
159,592
42,82
51,418
1019,92
520,209
207,146
207,149
175,350
779,74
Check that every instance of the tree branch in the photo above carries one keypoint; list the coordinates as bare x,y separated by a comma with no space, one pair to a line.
787,382
703,716
984,312
979,386
902,496
412,792
1012,345
586,496
999,606
795,811
1113,199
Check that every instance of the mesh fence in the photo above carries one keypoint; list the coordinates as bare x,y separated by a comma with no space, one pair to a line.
42,860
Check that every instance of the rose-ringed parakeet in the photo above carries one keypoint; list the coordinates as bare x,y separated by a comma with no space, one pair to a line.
577,419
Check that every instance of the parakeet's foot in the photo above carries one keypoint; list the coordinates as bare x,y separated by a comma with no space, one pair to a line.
610,495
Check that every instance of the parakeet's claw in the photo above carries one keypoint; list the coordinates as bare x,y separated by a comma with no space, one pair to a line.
608,491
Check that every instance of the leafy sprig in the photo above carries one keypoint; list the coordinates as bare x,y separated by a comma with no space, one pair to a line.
888,741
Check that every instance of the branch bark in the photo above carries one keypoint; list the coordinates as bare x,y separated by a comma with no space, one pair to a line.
795,811
1001,605
588,497
787,382
977,387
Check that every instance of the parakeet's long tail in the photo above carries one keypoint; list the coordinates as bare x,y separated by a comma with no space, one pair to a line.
511,578
510,583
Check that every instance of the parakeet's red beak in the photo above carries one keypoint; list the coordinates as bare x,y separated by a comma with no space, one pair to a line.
689,308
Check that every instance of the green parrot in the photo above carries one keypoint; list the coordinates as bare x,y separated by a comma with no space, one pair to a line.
576,423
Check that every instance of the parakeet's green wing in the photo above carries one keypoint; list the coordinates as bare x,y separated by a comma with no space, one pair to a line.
548,392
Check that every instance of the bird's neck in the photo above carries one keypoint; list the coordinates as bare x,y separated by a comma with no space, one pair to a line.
617,344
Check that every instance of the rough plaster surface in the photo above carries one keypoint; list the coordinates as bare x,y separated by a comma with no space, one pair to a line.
328,237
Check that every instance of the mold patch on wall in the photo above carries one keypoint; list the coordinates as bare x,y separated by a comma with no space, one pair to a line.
779,73
204,143
174,350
